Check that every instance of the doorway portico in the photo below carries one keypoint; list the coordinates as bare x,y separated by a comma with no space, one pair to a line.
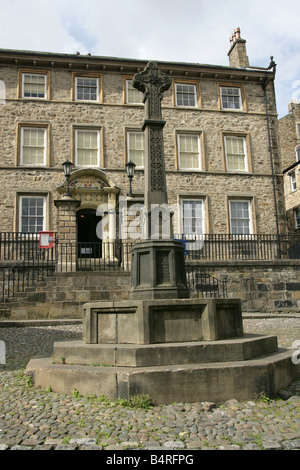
81,221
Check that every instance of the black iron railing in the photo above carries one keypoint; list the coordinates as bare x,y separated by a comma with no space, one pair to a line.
95,256
204,284
15,246
23,262
240,247
23,274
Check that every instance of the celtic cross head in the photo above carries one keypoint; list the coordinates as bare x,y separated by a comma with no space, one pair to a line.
152,82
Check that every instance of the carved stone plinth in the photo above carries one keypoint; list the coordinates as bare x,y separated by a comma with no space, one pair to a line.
158,270
162,321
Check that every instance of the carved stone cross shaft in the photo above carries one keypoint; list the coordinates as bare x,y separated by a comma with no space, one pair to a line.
153,82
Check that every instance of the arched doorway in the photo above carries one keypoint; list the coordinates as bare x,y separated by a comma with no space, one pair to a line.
89,190
89,245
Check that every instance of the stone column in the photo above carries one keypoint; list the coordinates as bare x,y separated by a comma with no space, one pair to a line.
67,234
158,265
109,244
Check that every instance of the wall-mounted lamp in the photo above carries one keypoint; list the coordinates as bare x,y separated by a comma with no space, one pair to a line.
130,167
67,172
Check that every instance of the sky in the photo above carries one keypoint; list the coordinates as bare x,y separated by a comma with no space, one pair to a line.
195,31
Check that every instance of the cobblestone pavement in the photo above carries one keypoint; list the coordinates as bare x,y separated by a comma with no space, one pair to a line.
40,419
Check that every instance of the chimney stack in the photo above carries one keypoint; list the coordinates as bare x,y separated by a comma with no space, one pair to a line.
237,53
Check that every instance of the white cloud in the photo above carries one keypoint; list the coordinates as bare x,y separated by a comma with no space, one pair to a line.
189,31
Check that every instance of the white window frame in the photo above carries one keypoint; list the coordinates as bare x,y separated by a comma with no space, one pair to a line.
243,138
297,150
229,108
297,218
293,180
79,77
32,196
26,128
76,148
194,93
32,75
250,225
130,156
137,93
183,217
180,152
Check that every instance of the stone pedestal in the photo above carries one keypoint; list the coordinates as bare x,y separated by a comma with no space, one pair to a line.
158,270
161,321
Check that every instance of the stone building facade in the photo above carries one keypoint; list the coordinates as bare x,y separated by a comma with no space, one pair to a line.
82,108
289,133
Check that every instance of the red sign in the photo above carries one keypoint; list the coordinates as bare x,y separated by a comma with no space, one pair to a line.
46,239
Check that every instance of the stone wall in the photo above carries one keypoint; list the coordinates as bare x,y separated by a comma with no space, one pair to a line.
289,135
263,286
63,295
292,197
61,116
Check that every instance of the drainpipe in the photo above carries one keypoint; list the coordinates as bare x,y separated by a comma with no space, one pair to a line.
264,86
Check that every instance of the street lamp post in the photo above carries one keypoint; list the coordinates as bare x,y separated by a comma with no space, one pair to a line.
67,172
130,167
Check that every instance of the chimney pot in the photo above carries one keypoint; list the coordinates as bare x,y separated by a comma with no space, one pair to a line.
237,33
237,53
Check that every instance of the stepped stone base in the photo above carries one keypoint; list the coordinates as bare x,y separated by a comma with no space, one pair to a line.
174,350
127,355
217,382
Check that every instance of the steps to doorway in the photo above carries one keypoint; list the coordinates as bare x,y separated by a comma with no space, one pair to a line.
62,295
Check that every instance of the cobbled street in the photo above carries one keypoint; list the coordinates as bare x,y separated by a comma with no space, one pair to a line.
43,420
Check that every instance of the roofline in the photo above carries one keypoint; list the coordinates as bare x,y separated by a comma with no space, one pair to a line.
88,61
291,167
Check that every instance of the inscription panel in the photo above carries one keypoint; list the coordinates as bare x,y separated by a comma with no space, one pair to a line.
162,268
176,324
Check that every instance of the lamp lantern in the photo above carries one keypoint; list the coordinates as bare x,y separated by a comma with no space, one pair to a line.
67,172
130,167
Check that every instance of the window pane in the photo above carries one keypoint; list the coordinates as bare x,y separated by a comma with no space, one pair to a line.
32,214
293,181
240,217
136,148
231,98
193,217
34,86
87,88
87,148
185,95
33,146
235,153
189,152
134,96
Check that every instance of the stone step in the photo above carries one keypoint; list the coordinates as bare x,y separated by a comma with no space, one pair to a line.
4,312
146,355
214,382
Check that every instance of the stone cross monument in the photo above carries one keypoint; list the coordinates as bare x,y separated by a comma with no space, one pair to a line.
158,265
152,82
